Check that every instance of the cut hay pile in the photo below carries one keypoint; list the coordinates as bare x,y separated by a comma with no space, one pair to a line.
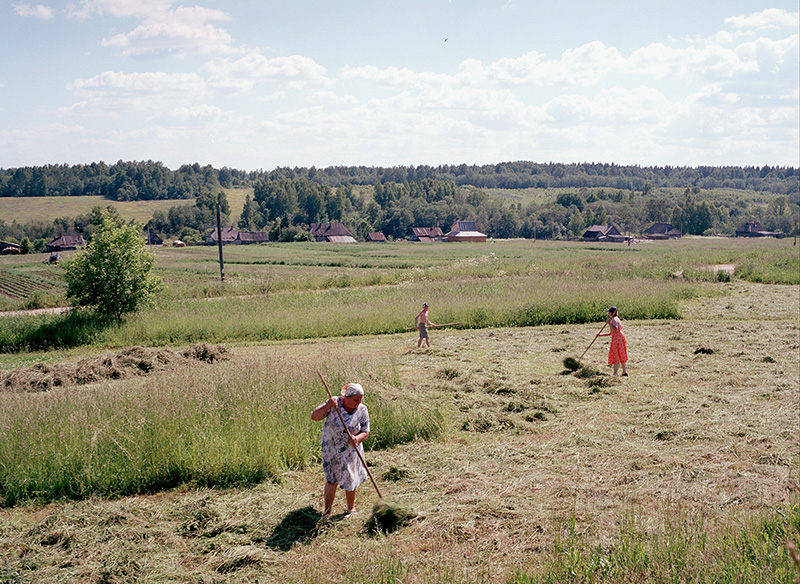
130,362
387,518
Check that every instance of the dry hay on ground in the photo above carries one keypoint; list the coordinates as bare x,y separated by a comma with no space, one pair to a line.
129,362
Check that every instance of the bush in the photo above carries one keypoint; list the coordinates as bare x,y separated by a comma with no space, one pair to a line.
112,274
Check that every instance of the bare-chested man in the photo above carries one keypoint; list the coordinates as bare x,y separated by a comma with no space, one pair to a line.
422,322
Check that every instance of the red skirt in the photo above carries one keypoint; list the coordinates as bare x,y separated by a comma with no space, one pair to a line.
618,352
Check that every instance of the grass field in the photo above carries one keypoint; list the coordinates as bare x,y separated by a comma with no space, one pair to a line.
521,472
27,209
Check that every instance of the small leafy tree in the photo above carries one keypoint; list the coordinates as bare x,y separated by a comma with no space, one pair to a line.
112,275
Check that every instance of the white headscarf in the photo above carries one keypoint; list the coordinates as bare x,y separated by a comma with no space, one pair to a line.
351,389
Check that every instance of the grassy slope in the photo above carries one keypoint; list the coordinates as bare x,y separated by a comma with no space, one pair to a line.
25,209
710,437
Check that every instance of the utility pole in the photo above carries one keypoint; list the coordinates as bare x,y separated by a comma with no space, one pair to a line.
219,244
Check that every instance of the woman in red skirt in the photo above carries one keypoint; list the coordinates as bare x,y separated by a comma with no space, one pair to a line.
618,352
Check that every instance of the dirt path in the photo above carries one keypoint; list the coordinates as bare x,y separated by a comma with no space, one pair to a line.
35,311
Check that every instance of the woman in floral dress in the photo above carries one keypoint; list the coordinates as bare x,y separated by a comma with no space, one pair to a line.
340,462
618,351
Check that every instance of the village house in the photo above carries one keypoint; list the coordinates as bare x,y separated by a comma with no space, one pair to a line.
755,229
427,234
152,238
66,242
465,231
603,233
229,235
376,237
331,233
662,231
251,237
7,248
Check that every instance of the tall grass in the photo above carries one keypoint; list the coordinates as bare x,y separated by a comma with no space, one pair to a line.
49,331
205,427
477,303
685,548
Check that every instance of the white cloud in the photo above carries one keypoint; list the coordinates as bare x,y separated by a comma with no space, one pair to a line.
198,112
116,94
710,61
242,74
162,29
770,54
585,65
152,83
393,76
771,18
39,11
120,8
175,31
616,106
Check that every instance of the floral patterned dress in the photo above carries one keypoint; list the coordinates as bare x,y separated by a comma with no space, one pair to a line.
618,351
339,459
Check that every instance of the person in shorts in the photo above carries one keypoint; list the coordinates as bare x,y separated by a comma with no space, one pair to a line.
422,322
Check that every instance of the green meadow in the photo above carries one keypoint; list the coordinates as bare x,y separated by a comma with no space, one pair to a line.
177,446
28,209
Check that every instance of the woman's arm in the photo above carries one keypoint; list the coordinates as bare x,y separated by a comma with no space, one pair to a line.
319,412
359,438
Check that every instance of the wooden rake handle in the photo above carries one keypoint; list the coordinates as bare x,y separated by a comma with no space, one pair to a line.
594,339
349,435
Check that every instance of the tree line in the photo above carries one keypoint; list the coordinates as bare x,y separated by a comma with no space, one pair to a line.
287,207
149,180
123,181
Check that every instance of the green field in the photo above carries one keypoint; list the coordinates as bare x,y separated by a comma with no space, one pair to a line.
46,209
178,447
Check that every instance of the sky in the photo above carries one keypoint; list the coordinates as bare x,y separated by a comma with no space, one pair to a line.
258,84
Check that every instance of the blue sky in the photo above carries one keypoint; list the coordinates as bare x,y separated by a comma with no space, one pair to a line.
255,84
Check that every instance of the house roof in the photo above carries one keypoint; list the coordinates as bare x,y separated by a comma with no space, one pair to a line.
253,236
461,226
377,236
427,231
341,239
751,227
659,228
68,241
228,234
598,231
323,230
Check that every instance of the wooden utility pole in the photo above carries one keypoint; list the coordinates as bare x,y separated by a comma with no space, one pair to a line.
219,244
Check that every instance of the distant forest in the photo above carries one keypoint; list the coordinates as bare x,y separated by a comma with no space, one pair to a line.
137,181
391,200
